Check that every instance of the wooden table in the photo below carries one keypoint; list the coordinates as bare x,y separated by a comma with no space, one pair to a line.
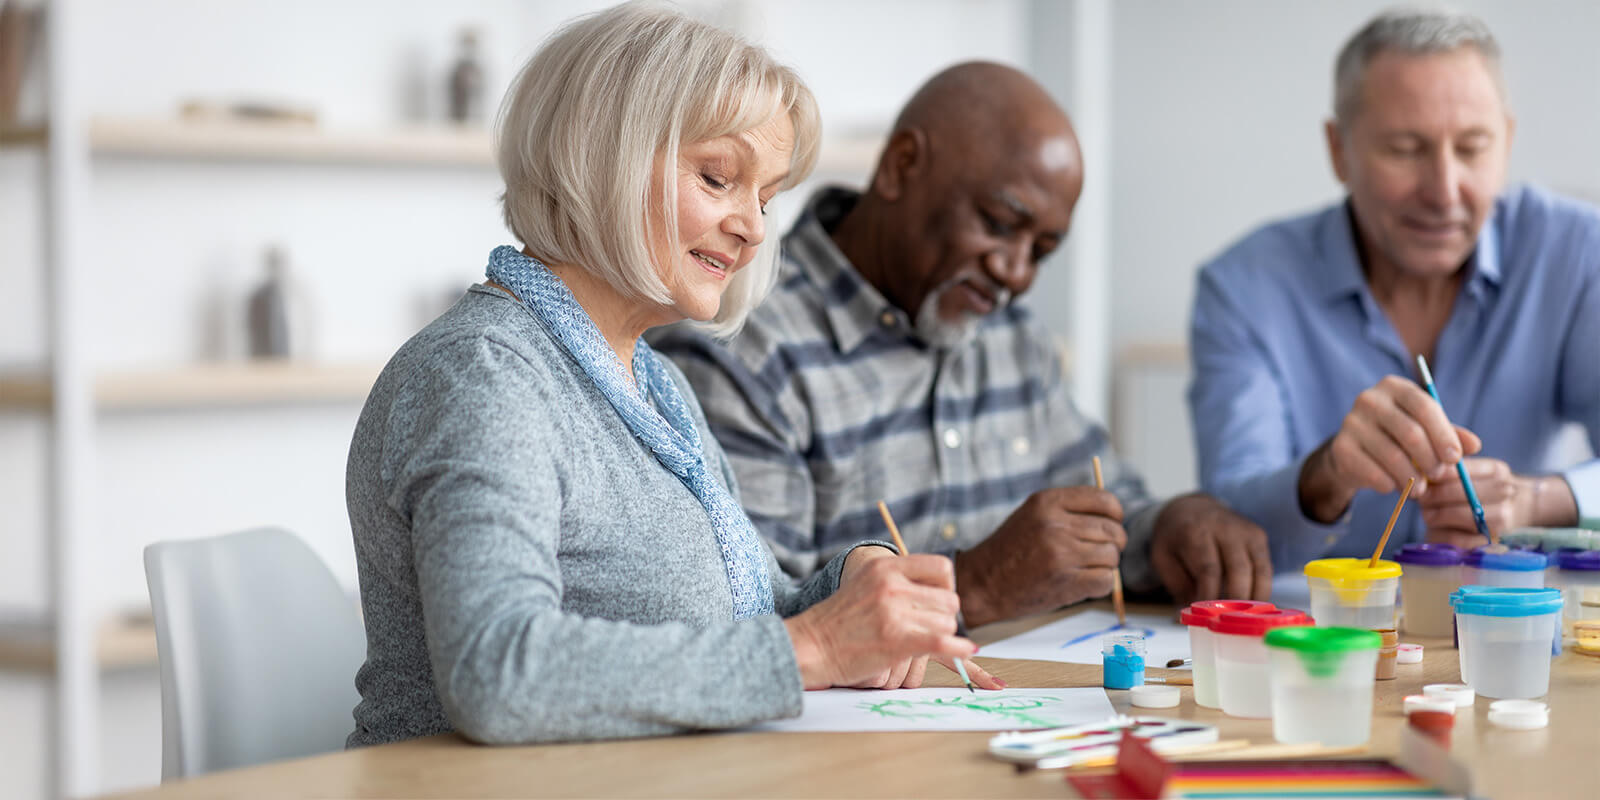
1560,761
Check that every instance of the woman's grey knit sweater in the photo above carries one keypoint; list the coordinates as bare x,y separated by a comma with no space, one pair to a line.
529,571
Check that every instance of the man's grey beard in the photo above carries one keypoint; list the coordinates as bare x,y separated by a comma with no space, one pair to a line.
945,335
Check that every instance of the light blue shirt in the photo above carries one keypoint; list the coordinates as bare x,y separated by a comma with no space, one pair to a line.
1286,333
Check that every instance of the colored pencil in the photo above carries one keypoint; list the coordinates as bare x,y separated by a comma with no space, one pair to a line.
894,530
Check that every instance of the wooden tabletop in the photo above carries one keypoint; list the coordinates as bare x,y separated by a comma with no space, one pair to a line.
1562,760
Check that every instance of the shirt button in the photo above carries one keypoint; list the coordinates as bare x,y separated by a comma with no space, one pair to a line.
887,318
948,532
1332,540
952,438
1019,445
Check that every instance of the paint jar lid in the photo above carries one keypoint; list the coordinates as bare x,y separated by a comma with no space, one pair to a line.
1460,693
1587,560
1430,555
1201,613
1423,702
1408,653
1257,624
1505,601
1511,560
1519,715
1351,569
1154,695
1324,640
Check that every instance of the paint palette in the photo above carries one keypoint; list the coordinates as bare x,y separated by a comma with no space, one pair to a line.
1063,747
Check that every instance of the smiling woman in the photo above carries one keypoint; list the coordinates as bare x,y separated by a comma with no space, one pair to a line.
549,541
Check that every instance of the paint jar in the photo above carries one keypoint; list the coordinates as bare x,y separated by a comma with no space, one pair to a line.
1122,659
1578,576
1518,568
1432,572
1388,653
1349,593
1242,671
1202,654
1322,684
1505,638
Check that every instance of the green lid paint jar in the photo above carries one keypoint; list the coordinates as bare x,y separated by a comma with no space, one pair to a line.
1322,684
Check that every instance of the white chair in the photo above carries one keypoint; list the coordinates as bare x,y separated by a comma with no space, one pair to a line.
259,649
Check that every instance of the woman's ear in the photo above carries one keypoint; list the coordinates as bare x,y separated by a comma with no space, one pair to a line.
904,157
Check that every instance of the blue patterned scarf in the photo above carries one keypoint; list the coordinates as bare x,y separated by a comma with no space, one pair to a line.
671,435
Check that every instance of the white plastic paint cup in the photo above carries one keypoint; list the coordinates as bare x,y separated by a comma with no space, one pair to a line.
1202,653
1505,639
1322,684
1432,572
1243,675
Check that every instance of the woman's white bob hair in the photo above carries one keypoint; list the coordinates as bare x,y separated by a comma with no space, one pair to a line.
607,100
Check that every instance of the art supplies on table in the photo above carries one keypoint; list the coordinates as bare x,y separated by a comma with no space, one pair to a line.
882,710
1076,639
1062,747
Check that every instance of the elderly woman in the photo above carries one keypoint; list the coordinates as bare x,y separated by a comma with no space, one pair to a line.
549,543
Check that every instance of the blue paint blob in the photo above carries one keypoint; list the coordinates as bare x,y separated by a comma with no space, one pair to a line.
1123,668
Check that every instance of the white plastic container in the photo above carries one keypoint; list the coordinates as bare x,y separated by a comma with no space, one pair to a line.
1432,572
1202,655
1514,568
1346,592
1243,674
1322,684
1505,638
1578,576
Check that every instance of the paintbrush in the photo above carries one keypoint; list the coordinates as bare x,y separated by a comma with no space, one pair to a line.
894,530
1461,466
1378,551
1116,572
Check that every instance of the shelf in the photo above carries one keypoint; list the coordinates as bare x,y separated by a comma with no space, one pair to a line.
279,142
212,140
206,386
122,644
22,135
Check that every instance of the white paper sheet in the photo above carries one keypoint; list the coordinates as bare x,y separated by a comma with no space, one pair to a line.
845,710
1076,639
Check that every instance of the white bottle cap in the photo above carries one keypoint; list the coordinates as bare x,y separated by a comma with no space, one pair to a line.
1460,693
1154,695
1408,654
1422,702
1519,715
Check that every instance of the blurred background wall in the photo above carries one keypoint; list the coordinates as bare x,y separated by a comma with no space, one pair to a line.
1210,113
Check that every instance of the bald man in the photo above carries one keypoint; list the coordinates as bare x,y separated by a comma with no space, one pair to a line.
891,364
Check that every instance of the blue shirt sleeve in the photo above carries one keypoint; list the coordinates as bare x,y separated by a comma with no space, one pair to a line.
1242,430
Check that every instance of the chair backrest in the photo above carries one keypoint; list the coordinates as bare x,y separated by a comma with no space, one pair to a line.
259,649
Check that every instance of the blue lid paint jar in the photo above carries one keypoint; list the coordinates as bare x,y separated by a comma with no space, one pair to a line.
1122,657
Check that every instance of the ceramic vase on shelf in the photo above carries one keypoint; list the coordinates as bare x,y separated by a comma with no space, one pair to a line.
279,313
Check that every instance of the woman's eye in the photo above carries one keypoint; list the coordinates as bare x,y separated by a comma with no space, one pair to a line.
712,181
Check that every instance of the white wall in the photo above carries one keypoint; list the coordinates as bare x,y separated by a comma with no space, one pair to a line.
177,246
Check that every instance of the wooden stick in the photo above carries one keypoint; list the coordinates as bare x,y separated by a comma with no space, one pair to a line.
894,530
1174,754
1392,517
1116,572
1265,751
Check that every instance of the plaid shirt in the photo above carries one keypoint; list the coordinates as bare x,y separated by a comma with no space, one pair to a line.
827,402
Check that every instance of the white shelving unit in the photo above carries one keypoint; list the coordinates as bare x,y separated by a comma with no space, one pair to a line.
79,642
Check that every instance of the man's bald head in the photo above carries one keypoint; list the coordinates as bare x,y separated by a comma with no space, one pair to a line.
976,185
986,111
